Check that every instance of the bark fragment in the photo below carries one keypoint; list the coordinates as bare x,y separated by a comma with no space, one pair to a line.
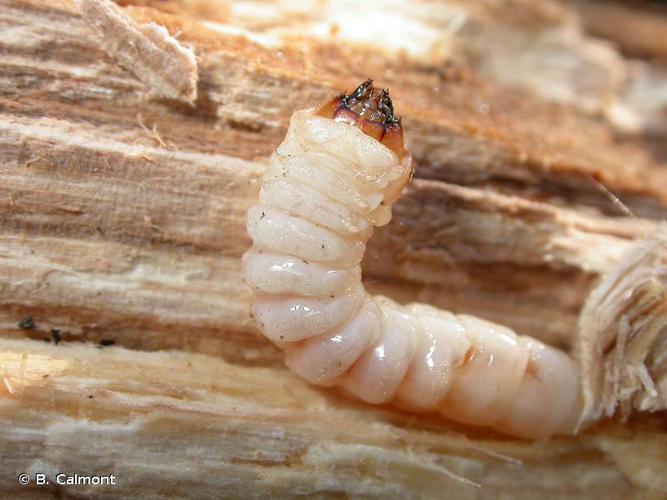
167,68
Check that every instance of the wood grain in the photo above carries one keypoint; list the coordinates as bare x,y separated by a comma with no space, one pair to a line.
179,424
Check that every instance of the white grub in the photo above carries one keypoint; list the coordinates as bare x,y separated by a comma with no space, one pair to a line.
304,267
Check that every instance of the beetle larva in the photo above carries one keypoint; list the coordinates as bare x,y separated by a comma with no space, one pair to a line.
333,178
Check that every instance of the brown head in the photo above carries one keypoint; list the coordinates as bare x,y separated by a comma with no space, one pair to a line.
371,110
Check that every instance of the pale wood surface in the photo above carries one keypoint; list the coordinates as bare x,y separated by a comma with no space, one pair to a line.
193,425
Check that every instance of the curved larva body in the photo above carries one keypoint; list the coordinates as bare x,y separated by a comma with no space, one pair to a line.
327,185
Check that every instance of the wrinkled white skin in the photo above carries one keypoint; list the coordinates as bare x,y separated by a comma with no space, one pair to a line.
327,185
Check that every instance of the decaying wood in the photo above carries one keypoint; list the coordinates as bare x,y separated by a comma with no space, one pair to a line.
638,28
624,335
166,295
157,59
460,129
533,45
261,432
121,218
509,42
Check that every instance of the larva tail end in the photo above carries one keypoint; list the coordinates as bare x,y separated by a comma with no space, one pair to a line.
371,110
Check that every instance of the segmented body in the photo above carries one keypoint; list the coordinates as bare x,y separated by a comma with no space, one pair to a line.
327,185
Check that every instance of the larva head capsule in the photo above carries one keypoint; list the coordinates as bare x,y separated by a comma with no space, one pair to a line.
370,109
